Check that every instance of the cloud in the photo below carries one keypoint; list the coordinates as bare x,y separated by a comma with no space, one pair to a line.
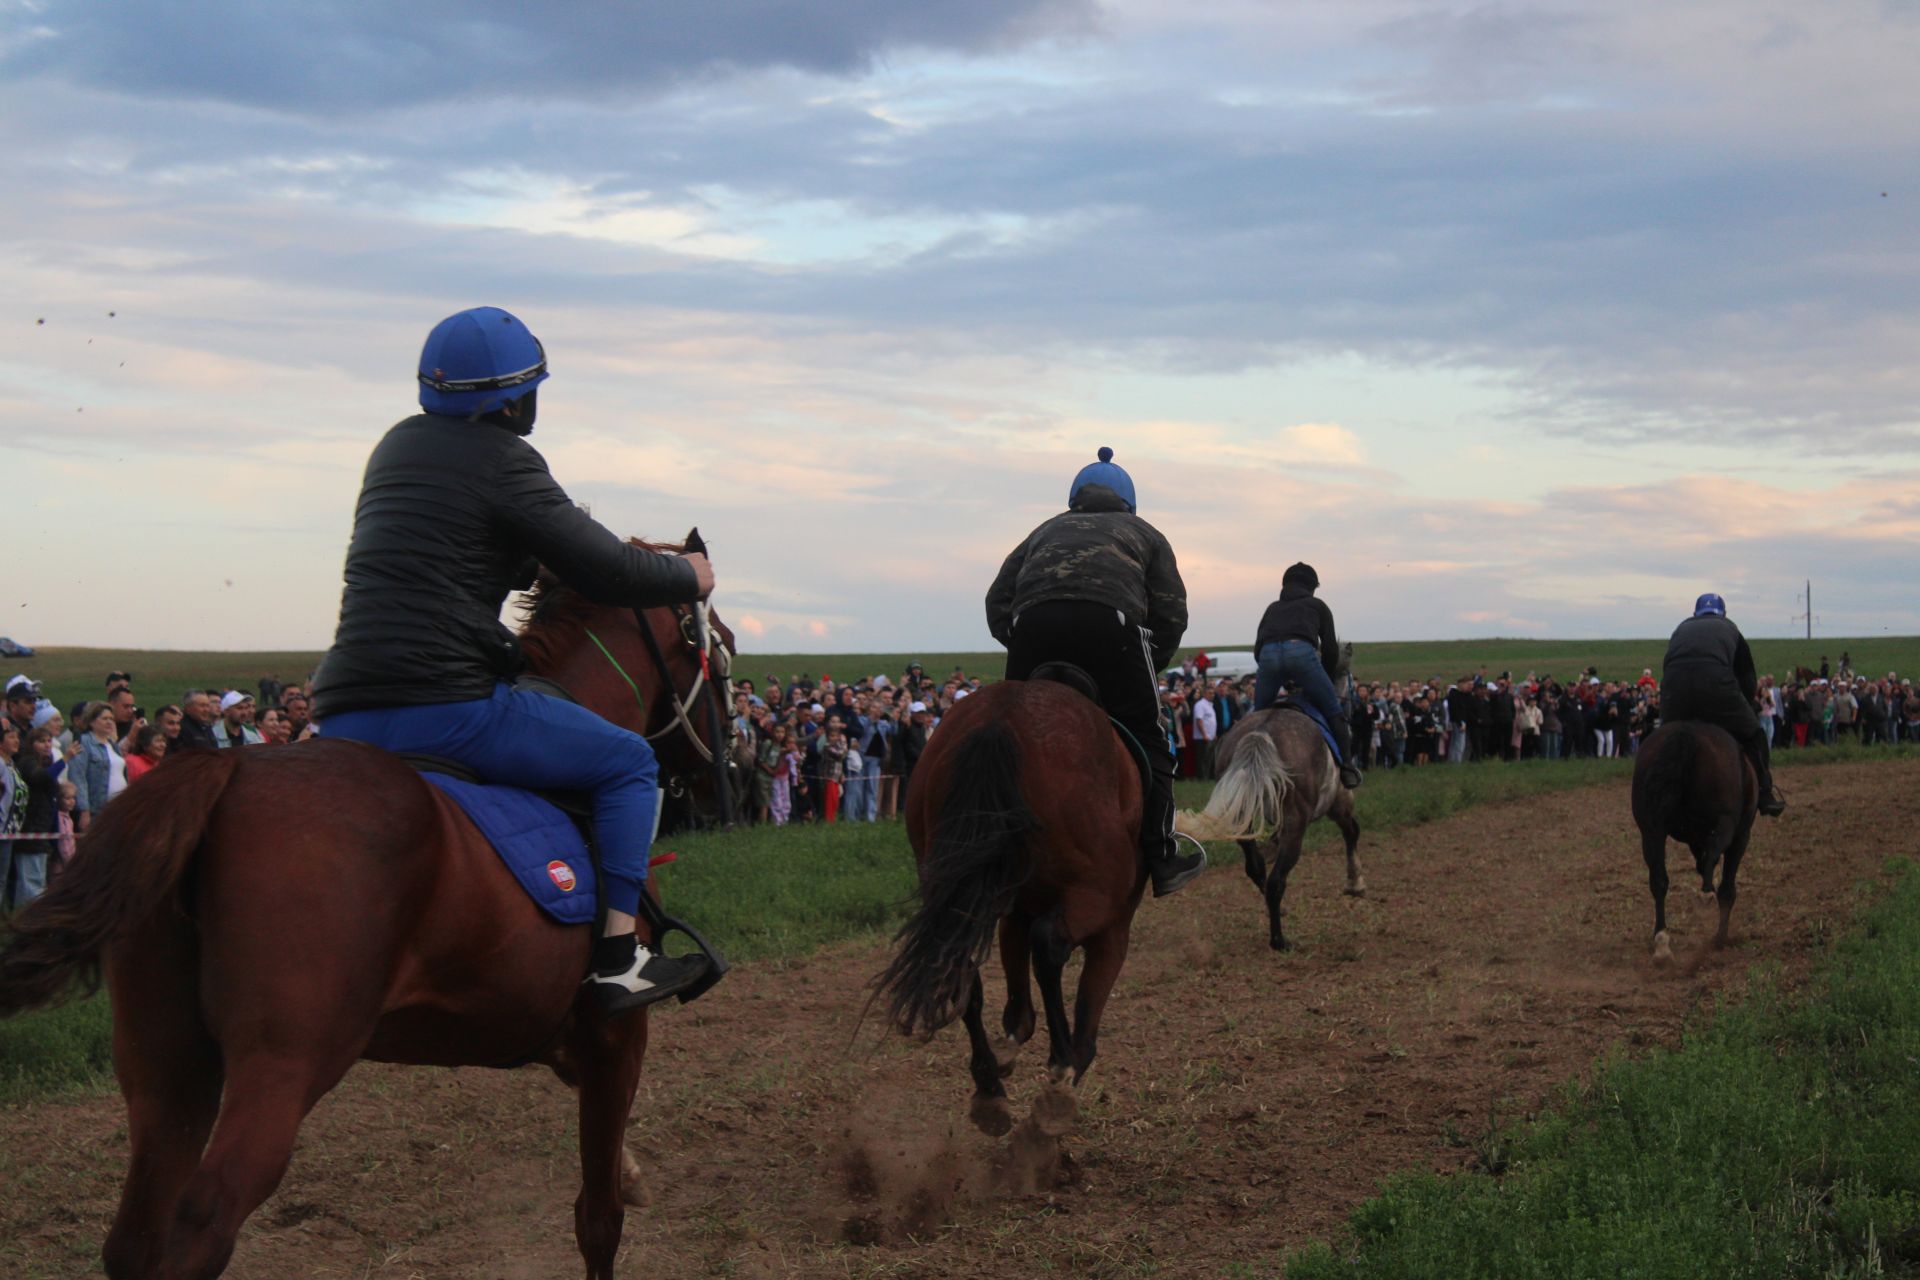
331,55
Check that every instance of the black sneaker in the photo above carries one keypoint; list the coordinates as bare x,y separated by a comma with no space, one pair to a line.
1350,776
648,979
1173,869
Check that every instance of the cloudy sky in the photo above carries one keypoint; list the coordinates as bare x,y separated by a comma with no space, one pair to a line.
1514,319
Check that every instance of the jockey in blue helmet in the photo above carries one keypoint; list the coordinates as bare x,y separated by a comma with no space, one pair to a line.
456,510
1097,586
1708,675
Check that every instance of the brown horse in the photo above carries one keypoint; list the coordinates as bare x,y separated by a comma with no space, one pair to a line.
267,917
1693,783
1277,772
1024,813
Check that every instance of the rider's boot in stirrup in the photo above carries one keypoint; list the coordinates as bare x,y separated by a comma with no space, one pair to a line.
1350,775
1771,803
628,976
1170,866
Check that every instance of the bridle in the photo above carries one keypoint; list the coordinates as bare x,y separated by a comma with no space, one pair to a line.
716,660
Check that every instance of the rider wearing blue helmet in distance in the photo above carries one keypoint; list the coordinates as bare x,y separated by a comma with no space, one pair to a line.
1708,675
1098,587
457,509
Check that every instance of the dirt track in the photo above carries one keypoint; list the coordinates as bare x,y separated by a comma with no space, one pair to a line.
1242,1103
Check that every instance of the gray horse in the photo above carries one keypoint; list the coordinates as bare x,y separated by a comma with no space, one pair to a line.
1277,778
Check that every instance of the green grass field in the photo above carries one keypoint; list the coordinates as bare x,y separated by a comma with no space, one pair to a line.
161,675
1779,1139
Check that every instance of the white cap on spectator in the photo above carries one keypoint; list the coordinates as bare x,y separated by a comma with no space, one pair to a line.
233,699
917,707
960,693
881,681
43,711
816,707
24,679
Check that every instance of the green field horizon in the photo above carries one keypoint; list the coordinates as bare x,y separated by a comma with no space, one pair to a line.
161,675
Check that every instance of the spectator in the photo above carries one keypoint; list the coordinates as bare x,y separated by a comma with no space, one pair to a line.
39,768
786,773
196,727
149,746
275,730
1205,728
97,769
299,725
22,701
235,728
126,715
168,718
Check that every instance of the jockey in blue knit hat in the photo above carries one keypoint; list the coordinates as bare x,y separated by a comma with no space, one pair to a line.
1097,587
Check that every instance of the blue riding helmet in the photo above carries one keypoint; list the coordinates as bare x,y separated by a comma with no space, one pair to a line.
1709,604
1106,472
478,360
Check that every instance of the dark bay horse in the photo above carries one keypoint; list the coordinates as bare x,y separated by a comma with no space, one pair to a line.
1692,783
266,917
1024,814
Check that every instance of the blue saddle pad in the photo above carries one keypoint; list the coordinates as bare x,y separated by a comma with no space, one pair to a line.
539,844
1312,713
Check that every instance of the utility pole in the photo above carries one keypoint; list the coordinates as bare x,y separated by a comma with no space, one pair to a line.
1808,615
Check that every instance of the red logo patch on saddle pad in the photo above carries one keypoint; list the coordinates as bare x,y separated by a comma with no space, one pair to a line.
562,875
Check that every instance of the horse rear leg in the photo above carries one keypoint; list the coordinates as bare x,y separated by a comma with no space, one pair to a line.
1254,864
607,1057
1342,815
1727,893
1017,1020
267,1096
990,1113
1286,854
1051,947
1653,848
169,1072
1106,952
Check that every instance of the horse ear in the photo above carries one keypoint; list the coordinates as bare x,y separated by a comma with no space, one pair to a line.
695,544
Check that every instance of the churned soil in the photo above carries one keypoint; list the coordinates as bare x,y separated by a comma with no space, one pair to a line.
1243,1102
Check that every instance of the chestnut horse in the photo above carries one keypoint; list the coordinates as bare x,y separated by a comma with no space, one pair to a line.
1024,814
1692,782
267,917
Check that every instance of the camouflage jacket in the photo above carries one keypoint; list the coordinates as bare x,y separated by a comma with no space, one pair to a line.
1102,552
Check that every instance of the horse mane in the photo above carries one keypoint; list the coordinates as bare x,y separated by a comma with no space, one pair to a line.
553,617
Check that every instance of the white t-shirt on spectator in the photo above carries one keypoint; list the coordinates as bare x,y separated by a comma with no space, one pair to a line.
1204,725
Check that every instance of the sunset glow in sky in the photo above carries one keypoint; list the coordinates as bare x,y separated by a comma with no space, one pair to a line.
1514,319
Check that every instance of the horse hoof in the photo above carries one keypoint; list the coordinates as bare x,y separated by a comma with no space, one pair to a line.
1662,950
1004,1052
633,1185
1358,890
1279,944
991,1116
1055,1112
1057,1073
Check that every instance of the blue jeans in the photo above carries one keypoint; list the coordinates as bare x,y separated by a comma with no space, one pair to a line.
872,813
853,805
522,739
1298,661
27,880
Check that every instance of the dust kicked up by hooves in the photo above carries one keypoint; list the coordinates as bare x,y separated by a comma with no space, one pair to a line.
899,1184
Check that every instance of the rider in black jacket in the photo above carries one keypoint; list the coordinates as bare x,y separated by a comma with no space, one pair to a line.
1296,642
1708,675
456,509
1098,587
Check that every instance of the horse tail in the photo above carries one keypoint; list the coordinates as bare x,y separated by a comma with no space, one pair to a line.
1671,775
129,863
1246,801
979,856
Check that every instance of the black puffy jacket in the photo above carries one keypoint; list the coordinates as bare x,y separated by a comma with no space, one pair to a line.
1098,551
452,516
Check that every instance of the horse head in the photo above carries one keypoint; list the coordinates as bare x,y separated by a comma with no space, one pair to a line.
660,672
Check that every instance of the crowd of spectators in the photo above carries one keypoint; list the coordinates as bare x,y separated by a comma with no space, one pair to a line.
1500,717
57,771
813,749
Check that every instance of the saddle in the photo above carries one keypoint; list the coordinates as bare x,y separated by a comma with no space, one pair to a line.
1287,702
511,817
1082,682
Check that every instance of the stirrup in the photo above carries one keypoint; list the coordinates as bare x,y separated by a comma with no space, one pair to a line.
664,924
1173,869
